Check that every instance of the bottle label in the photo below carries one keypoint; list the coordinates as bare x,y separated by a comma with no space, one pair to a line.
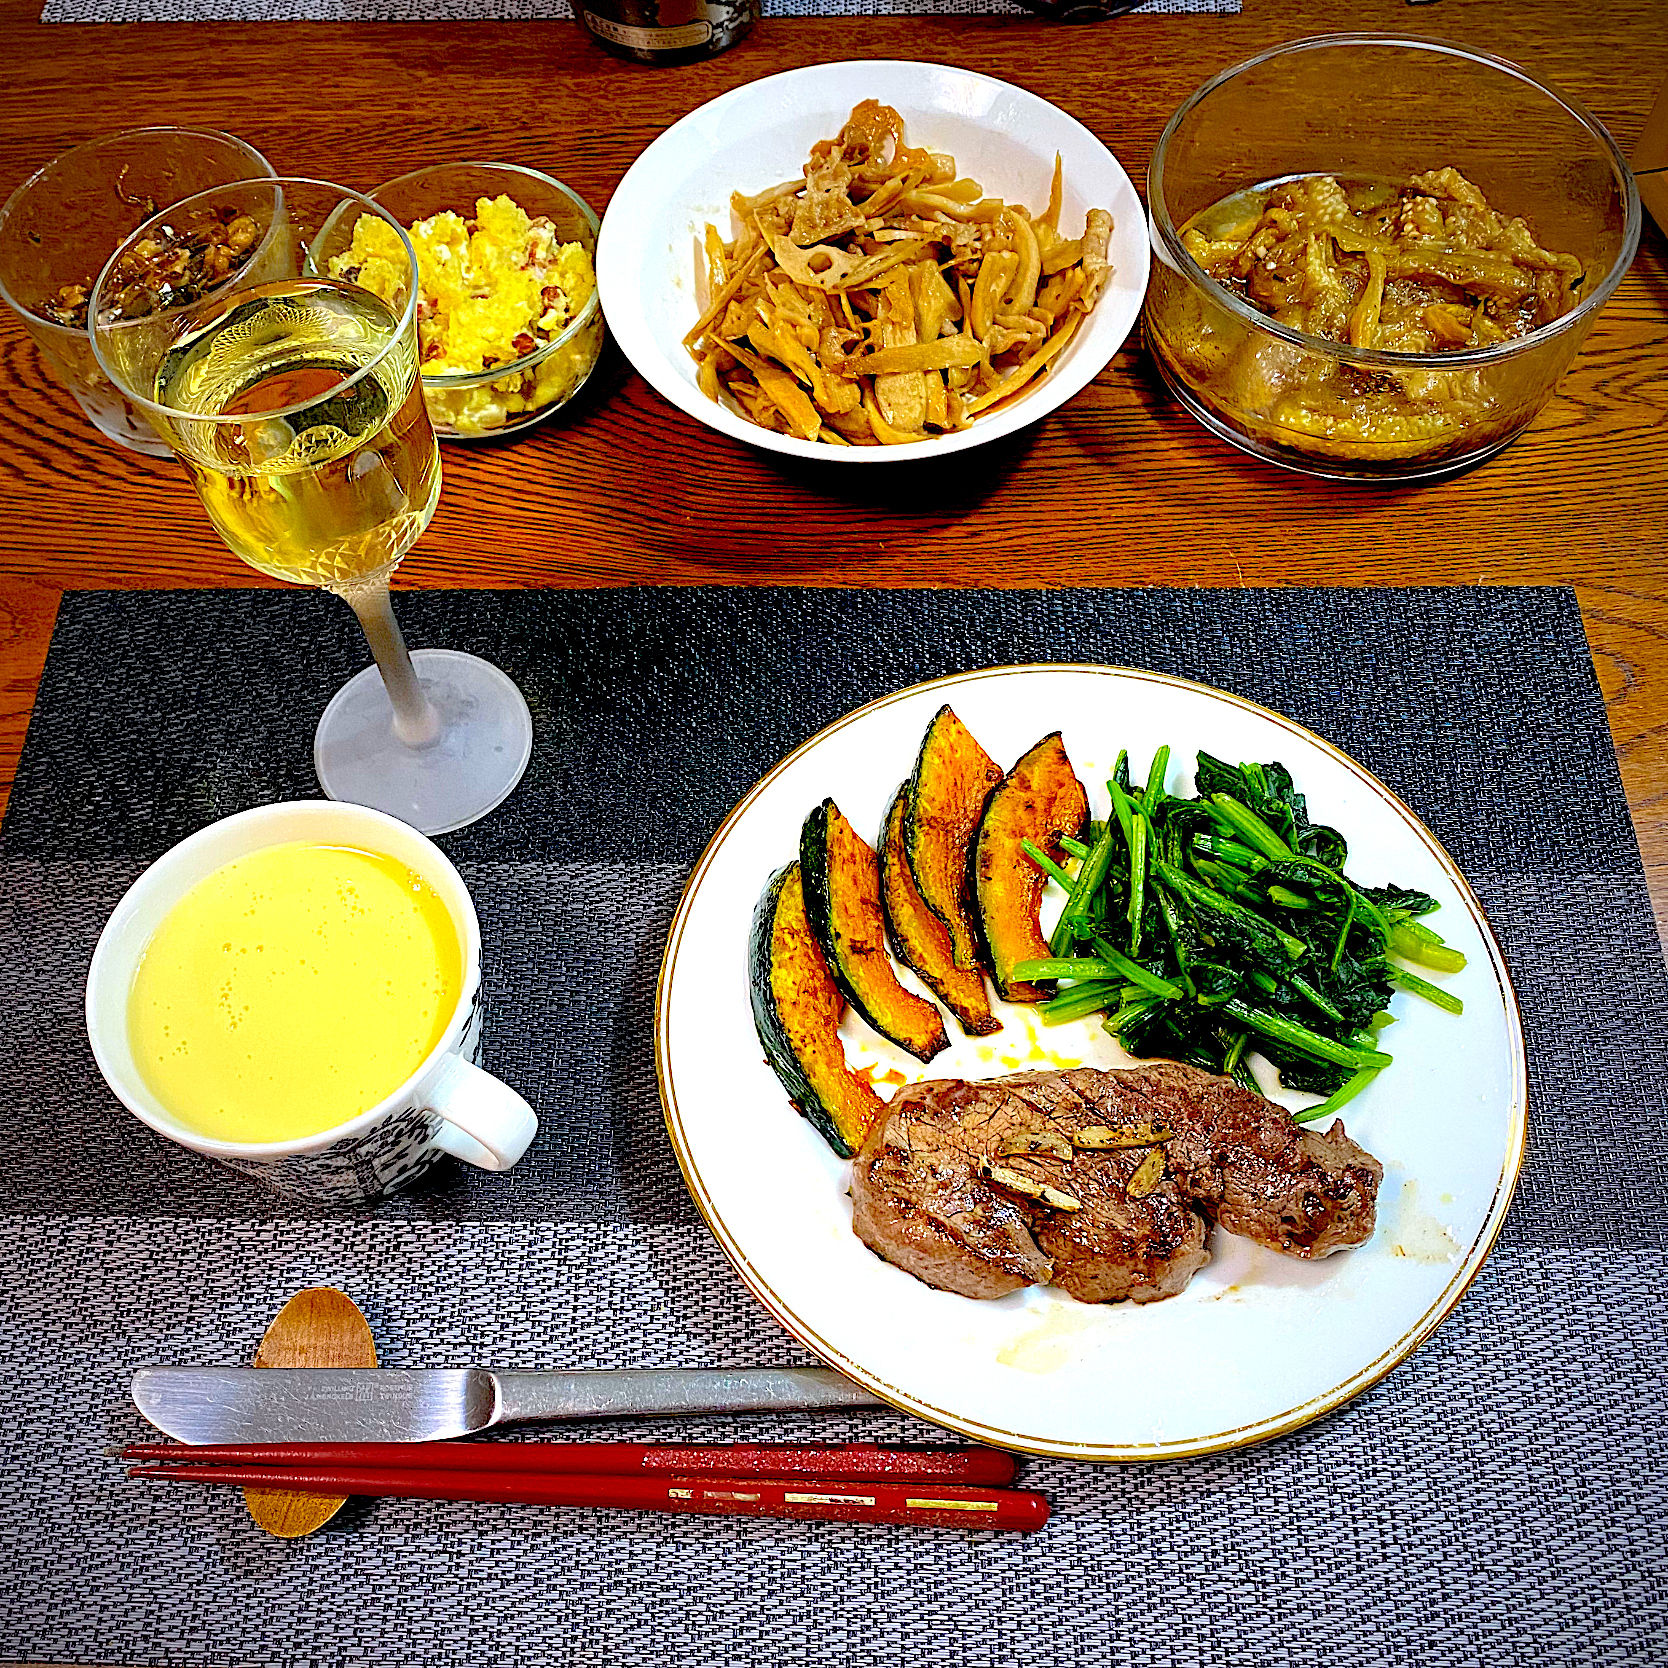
649,40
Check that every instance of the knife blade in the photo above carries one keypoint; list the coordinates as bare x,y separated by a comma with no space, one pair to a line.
378,1404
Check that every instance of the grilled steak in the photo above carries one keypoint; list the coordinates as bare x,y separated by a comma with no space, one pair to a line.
920,1201
983,1188
1249,1168
924,1196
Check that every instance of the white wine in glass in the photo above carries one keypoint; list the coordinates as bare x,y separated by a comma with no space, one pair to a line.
338,473
295,401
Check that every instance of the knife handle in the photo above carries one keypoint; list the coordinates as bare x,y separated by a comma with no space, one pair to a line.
605,1394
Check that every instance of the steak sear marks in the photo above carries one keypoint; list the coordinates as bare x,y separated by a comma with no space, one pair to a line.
984,1188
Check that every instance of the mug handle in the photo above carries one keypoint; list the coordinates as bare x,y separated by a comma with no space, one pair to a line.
487,1123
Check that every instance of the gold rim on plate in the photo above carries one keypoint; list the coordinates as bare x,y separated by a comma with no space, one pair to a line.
1193,1447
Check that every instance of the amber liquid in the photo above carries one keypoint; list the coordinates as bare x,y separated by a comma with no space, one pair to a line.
326,480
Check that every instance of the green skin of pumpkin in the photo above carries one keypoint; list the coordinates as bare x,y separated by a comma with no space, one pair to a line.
816,1102
923,957
908,1020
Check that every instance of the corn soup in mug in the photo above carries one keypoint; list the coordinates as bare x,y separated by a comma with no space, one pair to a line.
291,990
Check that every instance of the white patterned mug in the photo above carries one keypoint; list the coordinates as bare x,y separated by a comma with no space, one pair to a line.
448,1105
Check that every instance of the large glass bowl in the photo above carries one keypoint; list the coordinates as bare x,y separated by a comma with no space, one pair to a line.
1376,107
515,394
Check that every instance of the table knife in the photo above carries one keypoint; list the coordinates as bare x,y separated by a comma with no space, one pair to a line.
376,1404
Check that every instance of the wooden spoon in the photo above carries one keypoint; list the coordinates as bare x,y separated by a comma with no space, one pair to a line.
318,1327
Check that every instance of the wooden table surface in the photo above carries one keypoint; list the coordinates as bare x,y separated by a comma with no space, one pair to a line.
1120,487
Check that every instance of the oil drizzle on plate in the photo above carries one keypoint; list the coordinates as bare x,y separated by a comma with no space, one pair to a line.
1418,1234
1043,1349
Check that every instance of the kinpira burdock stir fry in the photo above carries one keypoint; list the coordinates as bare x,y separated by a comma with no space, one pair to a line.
1208,928
881,300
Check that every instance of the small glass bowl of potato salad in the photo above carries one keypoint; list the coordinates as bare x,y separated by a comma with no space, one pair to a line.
507,320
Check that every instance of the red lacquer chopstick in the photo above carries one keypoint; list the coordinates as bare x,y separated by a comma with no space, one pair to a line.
865,1461
836,1500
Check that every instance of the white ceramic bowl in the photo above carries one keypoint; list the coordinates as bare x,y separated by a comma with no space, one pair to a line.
761,134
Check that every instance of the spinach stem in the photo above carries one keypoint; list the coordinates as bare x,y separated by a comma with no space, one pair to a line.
1087,998
1415,942
1091,872
1115,1022
1343,931
1064,967
1046,863
1300,1037
1316,999
1134,971
1194,892
1404,980
1251,828
1230,851
1137,879
1159,769
1341,1096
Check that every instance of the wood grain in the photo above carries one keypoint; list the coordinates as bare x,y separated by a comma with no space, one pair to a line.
318,1327
1118,488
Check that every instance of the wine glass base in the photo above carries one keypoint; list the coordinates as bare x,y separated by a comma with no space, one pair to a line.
485,741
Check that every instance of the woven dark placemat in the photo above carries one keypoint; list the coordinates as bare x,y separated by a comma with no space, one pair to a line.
1504,1492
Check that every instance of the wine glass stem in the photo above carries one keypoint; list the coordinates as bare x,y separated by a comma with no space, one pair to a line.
416,722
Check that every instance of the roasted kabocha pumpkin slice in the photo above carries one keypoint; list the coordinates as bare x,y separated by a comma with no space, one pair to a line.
953,774
920,940
841,878
1039,800
797,1008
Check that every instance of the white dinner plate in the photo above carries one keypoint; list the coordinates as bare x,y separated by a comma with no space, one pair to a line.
1259,1343
761,134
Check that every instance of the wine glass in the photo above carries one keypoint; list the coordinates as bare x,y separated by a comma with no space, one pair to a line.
267,330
